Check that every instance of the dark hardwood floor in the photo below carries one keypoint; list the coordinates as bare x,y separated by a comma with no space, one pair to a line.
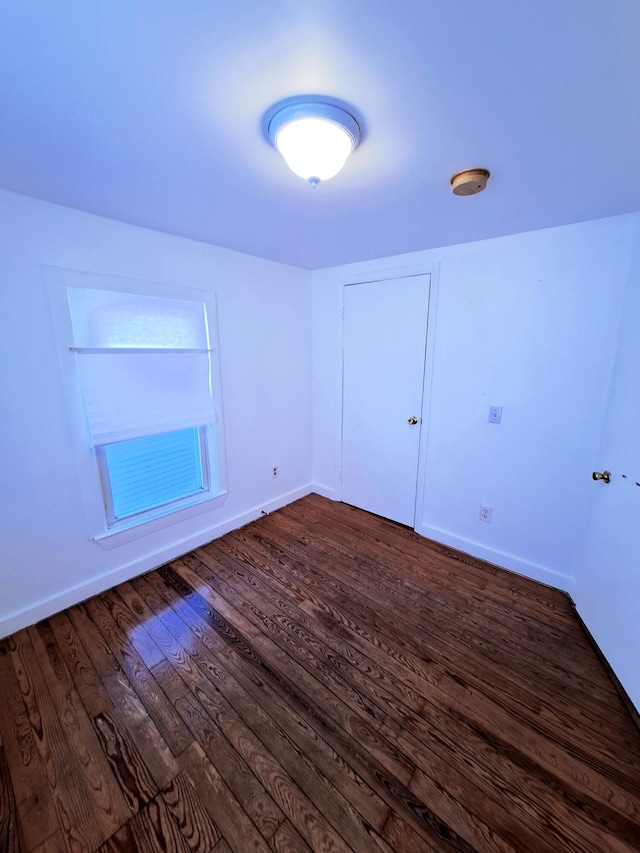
323,680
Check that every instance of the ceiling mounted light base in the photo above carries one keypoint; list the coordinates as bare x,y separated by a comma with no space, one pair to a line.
315,137
469,182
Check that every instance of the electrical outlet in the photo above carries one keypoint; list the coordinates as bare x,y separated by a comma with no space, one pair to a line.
485,514
495,414
274,471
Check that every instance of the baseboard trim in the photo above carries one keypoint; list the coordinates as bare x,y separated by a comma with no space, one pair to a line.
499,558
631,708
74,595
325,491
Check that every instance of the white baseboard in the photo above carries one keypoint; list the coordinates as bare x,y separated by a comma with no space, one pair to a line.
74,595
499,558
325,491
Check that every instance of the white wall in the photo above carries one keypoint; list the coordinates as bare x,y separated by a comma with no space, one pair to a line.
47,560
527,322
608,586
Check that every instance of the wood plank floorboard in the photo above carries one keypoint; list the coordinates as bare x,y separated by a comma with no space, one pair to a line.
442,637
320,680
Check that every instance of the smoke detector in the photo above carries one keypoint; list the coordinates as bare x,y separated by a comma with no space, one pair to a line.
469,182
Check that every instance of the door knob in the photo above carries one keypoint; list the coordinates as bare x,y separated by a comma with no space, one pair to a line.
605,476
412,421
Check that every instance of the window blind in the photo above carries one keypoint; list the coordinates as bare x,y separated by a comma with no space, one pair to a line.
148,472
128,396
129,391
107,318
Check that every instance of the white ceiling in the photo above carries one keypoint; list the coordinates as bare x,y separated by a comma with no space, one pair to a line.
151,111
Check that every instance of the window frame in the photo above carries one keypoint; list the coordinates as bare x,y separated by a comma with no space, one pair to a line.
90,468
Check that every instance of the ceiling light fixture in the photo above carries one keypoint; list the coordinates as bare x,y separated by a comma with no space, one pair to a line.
314,137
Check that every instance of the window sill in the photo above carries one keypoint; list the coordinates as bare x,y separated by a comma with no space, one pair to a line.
125,532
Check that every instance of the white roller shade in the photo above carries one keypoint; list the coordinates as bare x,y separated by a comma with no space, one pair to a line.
130,395
129,391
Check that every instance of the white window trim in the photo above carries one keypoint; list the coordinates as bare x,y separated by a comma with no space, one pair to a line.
87,460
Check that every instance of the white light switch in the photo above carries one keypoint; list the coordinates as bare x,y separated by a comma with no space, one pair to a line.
495,414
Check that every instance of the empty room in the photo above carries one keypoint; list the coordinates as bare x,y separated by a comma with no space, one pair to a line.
320,475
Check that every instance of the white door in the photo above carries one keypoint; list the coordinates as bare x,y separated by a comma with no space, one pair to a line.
385,333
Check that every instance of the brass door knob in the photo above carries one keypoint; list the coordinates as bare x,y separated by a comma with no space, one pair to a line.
605,476
412,421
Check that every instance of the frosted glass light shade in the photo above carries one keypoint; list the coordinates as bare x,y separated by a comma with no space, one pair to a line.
314,147
315,139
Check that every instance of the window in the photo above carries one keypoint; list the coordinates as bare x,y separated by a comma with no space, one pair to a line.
152,472
151,400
